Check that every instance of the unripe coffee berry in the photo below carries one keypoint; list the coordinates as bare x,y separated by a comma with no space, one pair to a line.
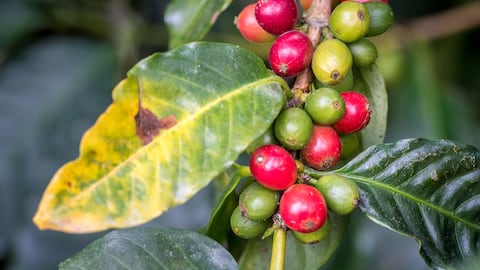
331,61
258,202
357,113
273,167
244,227
249,28
349,21
345,85
325,106
350,145
303,208
276,16
381,17
290,53
315,236
364,52
323,150
341,194
267,137
293,128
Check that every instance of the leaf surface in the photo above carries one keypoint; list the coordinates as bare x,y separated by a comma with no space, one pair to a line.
152,248
129,173
428,190
190,20
370,82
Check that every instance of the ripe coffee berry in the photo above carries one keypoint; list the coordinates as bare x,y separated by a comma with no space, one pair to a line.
276,16
273,167
303,208
293,128
357,113
349,21
290,53
249,28
324,148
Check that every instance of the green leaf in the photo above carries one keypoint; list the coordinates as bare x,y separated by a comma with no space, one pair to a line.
428,190
219,223
190,20
257,253
152,248
369,81
173,126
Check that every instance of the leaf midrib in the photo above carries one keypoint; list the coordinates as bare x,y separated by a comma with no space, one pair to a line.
412,198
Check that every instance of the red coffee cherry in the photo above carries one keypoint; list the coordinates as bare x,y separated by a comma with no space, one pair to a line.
303,208
324,148
276,16
290,53
249,28
273,167
357,113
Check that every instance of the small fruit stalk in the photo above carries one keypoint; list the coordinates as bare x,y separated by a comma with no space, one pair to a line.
295,187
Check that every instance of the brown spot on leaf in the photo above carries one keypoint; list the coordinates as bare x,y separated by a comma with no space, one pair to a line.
148,125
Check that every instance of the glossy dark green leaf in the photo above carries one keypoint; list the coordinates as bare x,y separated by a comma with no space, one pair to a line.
257,253
190,20
428,190
369,81
152,248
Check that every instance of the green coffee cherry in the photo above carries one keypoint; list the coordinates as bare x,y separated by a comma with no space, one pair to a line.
258,202
268,137
350,145
345,85
349,21
331,61
244,227
381,17
364,52
325,106
342,194
315,236
293,128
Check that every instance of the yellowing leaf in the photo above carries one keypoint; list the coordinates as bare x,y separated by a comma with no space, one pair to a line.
220,96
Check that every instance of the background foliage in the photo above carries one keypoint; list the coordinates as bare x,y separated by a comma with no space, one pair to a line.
59,61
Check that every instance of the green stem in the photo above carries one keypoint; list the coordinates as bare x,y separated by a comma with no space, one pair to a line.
278,249
241,170
315,173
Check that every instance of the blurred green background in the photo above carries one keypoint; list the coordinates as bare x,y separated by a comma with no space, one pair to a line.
59,61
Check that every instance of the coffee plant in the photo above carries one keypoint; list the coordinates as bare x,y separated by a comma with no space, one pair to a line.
311,120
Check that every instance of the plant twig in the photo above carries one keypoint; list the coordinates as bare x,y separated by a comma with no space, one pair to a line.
277,261
316,18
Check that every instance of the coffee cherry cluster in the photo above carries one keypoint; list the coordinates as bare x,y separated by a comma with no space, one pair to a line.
319,125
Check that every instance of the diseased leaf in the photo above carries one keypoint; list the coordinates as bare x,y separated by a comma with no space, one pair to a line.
214,91
152,248
257,253
369,81
428,190
190,20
